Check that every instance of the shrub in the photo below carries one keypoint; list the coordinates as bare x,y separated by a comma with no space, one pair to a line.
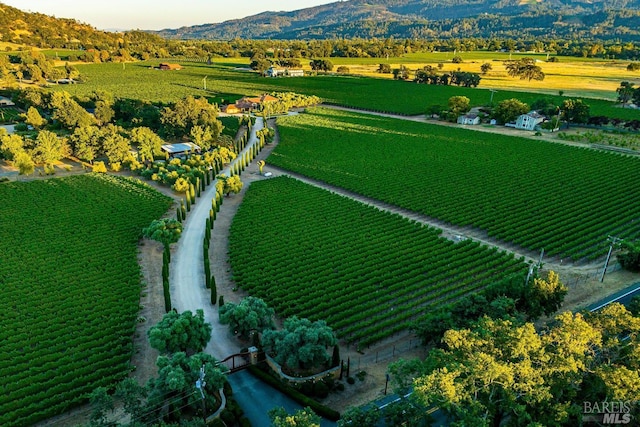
99,167
360,375
634,66
227,416
351,380
320,390
340,387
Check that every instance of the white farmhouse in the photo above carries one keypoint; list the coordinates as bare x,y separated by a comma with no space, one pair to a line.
529,121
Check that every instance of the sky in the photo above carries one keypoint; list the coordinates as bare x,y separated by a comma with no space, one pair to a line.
156,14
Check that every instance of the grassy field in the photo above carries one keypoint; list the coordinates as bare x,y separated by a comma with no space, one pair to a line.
314,254
69,288
226,82
535,194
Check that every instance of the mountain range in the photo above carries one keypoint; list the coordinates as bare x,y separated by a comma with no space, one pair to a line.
593,19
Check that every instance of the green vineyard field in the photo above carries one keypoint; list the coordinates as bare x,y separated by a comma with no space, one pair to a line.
535,194
368,273
231,81
69,289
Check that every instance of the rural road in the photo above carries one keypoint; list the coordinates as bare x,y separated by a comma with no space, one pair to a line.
186,276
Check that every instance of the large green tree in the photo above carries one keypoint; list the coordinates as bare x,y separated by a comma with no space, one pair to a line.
11,146
165,231
185,332
68,112
190,112
148,142
507,111
49,148
625,92
251,314
575,110
33,118
173,393
458,105
301,343
524,68
86,142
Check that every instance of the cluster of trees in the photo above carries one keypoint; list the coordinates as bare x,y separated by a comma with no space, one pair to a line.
170,397
301,344
507,299
429,75
34,66
102,127
502,372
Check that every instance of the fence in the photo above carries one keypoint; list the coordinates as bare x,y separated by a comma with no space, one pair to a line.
383,355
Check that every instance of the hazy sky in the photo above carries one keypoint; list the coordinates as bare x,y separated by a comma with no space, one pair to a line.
156,14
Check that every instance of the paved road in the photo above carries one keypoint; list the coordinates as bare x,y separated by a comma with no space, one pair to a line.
623,296
256,399
188,291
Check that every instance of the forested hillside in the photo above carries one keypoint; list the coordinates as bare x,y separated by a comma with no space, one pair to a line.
435,19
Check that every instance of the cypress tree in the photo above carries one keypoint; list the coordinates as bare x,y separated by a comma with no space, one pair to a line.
198,186
207,272
179,214
167,253
212,216
167,296
214,291
335,359
221,301
192,194
188,202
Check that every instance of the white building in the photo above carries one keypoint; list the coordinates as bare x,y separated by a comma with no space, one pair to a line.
469,119
295,73
275,72
529,121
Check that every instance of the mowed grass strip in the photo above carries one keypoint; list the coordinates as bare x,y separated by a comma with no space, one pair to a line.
536,194
69,288
368,273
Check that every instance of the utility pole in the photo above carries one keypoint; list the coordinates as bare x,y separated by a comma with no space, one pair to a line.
492,92
541,256
531,267
614,241
200,383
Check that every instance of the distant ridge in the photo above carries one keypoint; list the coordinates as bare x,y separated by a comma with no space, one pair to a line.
592,19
